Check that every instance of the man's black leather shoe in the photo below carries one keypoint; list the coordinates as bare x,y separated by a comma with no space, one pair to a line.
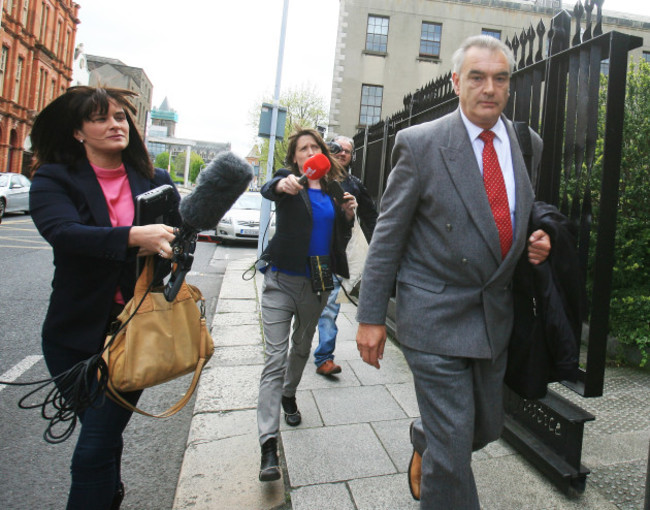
270,466
291,414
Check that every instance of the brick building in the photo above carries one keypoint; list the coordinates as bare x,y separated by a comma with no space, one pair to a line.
35,67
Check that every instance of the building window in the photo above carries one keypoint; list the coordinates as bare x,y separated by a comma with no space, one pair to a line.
3,68
45,14
377,36
57,38
646,56
19,76
25,12
492,33
52,89
430,39
370,112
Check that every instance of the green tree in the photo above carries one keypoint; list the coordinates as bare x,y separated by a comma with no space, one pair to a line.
305,109
162,160
196,162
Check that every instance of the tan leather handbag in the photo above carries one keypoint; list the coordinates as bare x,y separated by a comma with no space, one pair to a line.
158,341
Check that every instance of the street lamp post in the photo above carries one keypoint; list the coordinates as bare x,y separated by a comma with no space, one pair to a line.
265,211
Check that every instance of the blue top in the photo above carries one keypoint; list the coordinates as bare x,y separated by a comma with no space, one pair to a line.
321,229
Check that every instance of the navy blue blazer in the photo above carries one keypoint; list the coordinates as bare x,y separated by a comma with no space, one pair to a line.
91,257
289,247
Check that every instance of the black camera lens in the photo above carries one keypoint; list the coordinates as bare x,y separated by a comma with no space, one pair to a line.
334,147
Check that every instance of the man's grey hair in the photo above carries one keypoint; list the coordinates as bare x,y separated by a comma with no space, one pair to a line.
481,41
346,139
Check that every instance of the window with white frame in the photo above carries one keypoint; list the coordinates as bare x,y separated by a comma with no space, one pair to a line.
25,13
19,76
371,97
430,36
377,34
3,68
492,33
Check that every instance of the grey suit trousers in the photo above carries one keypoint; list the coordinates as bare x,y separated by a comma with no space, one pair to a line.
284,298
461,404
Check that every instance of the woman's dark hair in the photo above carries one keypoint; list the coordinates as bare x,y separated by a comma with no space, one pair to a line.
52,133
336,173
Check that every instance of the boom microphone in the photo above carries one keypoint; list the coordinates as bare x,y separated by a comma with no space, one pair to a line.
217,189
315,168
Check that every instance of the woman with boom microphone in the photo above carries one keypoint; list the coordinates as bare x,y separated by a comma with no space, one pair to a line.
312,231
90,163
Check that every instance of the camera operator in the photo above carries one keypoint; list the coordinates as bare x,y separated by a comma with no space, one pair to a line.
342,148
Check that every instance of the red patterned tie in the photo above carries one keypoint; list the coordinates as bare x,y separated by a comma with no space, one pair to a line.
495,187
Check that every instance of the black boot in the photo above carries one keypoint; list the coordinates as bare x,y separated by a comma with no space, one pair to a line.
291,414
270,467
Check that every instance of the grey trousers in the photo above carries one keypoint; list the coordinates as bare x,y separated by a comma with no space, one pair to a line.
461,404
284,298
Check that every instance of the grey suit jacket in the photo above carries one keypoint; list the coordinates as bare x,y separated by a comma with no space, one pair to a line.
437,236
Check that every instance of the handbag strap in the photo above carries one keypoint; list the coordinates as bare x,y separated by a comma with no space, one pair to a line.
115,395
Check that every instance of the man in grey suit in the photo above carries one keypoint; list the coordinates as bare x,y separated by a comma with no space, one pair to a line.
437,234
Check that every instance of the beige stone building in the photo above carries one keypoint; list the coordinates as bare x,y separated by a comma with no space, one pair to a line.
111,72
388,48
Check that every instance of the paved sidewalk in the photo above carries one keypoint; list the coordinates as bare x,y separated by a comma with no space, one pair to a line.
352,449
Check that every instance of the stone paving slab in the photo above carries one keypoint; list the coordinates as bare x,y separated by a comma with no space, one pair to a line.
223,475
393,370
383,493
364,404
311,416
237,305
238,355
228,388
222,425
510,482
394,436
334,454
235,319
247,334
312,381
404,395
328,495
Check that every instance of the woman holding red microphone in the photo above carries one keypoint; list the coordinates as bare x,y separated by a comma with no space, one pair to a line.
312,230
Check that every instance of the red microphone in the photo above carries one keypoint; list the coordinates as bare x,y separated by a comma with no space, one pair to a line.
315,168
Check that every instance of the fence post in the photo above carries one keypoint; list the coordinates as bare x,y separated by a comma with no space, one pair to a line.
554,106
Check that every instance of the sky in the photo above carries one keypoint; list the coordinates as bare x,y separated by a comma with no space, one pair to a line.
216,60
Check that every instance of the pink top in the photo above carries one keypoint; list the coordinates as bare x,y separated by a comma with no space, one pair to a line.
117,191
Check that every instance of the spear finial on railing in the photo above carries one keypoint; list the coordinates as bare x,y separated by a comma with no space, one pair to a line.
541,30
599,18
531,48
578,11
515,48
589,6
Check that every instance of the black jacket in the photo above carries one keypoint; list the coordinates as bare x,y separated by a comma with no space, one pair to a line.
91,257
549,304
366,207
289,247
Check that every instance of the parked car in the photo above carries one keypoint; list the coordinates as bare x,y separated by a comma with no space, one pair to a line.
14,193
242,221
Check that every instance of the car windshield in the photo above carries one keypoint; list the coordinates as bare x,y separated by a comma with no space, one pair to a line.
4,181
249,201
